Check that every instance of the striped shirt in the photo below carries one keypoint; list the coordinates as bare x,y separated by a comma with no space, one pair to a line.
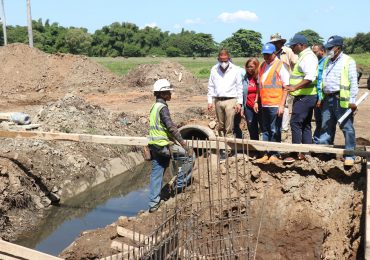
332,74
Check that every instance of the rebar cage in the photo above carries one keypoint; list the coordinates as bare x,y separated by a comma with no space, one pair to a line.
209,219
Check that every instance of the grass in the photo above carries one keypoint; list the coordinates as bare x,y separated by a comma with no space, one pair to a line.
199,67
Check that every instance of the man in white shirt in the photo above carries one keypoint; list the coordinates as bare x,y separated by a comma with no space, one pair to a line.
225,92
304,90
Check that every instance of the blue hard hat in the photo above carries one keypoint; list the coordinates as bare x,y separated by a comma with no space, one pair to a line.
333,41
298,38
268,48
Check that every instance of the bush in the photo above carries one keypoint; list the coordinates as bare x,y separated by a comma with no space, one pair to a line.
173,52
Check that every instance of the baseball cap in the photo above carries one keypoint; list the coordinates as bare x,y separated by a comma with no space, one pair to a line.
268,48
298,38
334,40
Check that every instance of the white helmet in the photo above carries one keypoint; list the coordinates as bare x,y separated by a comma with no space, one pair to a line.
162,85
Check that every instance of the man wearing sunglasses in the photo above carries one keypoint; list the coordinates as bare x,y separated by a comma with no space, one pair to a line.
340,89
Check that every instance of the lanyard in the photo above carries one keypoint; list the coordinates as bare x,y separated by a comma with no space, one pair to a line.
332,66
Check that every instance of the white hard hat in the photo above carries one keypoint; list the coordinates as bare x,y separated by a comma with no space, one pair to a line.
162,85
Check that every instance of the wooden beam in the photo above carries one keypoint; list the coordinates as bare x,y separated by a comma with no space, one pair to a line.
213,143
13,251
367,210
287,147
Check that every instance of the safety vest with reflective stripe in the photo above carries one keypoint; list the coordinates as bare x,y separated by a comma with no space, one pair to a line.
296,76
158,133
271,90
344,91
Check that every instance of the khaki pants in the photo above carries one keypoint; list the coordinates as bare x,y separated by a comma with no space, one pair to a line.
225,113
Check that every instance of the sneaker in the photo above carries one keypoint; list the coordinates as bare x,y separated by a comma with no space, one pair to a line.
349,162
263,159
154,208
289,160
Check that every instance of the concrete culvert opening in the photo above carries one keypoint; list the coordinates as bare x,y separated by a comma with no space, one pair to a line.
196,132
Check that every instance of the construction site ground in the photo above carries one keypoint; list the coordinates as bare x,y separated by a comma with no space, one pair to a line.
316,206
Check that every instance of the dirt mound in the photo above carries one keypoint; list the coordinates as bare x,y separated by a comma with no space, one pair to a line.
183,81
28,70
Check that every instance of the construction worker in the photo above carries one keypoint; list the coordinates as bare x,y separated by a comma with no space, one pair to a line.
273,76
225,92
340,88
161,131
304,91
320,53
285,54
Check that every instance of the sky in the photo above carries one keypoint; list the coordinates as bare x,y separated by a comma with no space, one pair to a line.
219,18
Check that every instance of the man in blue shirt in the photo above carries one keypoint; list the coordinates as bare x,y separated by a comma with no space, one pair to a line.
340,88
320,52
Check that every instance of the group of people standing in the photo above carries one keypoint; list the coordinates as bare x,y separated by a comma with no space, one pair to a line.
303,77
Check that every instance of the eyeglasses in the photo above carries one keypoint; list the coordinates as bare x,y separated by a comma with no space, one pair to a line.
329,49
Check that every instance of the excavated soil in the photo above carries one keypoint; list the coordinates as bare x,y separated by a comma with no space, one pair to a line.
308,210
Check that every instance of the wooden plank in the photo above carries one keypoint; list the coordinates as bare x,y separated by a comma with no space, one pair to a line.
367,204
13,251
212,144
287,147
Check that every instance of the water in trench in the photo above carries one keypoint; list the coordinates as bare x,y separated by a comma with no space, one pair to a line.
123,195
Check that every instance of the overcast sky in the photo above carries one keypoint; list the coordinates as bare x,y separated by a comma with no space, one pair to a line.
219,18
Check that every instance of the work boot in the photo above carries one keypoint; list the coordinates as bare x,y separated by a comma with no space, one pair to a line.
273,159
349,162
263,159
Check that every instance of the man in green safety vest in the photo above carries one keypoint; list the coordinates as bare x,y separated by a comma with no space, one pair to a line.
161,131
304,90
340,88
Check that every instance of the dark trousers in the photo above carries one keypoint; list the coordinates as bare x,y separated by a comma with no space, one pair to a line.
236,130
253,121
300,121
318,120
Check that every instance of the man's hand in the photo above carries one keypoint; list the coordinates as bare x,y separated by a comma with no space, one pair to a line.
237,108
280,110
210,107
318,104
289,88
255,107
353,107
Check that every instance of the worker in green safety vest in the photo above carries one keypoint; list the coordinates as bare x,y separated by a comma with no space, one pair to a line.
162,133
302,87
340,88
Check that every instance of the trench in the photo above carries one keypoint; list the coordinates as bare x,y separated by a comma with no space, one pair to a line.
122,195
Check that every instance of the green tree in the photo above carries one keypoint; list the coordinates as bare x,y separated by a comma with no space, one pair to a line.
312,37
203,44
244,43
78,41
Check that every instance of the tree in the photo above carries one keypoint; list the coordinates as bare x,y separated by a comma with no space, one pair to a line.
78,41
244,43
203,44
312,37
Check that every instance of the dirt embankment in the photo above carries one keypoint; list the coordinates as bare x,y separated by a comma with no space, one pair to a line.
39,173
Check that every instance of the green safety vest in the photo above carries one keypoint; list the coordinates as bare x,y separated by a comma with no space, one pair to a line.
296,76
344,91
158,133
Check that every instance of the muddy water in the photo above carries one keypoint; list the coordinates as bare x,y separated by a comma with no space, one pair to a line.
123,195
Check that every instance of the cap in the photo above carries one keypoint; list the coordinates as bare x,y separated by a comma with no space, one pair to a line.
268,48
276,37
162,85
298,38
334,40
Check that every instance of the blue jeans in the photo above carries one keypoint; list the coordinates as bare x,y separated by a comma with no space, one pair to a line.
300,121
160,164
253,120
331,112
318,120
271,126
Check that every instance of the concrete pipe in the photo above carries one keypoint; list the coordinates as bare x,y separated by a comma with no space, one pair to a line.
197,132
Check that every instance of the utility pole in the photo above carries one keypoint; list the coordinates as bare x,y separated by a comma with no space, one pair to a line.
29,21
3,20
